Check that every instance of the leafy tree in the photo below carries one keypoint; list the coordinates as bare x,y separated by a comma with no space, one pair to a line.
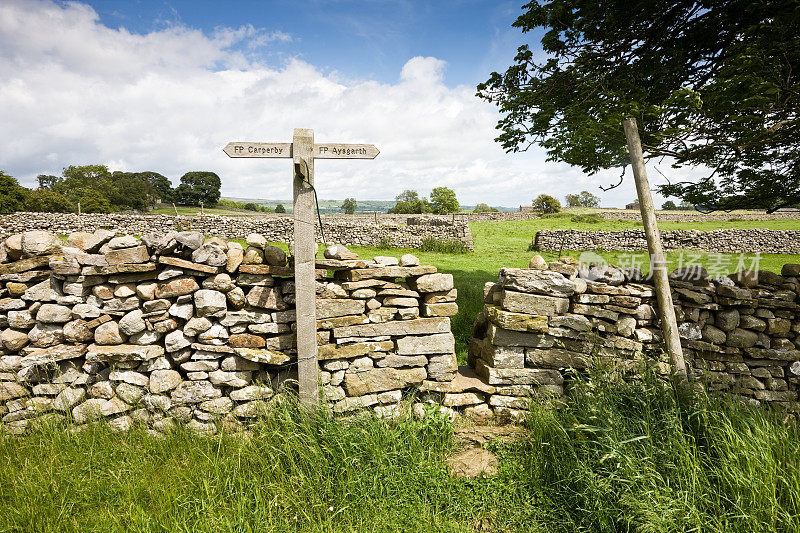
409,202
714,84
161,186
185,194
280,209
93,201
546,204
484,208
443,201
12,194
669,205
204,188
46,181
87,172
349,206
252,206
588,199
47,201
573,200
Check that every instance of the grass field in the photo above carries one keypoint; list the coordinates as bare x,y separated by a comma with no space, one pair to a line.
619,457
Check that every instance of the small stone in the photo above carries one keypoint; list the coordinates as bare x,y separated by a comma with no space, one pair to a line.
132,323
177,287
175,341
129,376
77,331
256,239
235,256
126,290
274,256
125,241
196,325
13,340
340,252
210,254
409,260
433,283
209,302
39,242
537,262
253,256
236,298
108,334
164,380
385,260
220,282
190,239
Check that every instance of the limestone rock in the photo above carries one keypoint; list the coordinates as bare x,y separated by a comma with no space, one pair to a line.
537,262
433,283
340,252
209,302
256,239
235,256
382,379
409,260
39,242
194,392
13,340
190,239
108,334
128,256
274,256
132,323
164,380
210,254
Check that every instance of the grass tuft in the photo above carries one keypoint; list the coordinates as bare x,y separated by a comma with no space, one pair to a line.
443,246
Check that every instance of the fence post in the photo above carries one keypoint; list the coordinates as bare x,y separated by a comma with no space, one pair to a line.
658,264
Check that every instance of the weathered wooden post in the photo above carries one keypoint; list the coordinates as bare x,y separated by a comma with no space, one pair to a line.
658,264
304,266
303,151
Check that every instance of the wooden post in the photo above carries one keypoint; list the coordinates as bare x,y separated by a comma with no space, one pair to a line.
79,209
304,267
175,208
658,264
376,218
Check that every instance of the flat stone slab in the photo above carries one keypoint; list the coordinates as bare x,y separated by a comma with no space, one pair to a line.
263,355
117,269
122,352
387,272
466,380
340,264
189,265
30,263
348,351
60,352
419,326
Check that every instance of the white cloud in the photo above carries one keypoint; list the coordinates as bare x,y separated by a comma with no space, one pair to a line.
73,91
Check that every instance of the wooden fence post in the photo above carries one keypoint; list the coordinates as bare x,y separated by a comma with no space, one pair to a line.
658,264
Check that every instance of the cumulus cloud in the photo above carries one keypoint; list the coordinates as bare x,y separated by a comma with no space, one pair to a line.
73,91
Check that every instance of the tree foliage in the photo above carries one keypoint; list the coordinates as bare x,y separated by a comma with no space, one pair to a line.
444,201
484,208
409,202
280,209
12,194
583,199
713,84
669,205
47,201
199,187
349,206
545,203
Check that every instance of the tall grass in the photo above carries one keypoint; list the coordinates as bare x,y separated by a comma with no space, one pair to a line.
444,246
618,457
625,457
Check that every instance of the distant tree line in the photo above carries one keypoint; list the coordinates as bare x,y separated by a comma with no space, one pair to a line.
99,190
443,201
583,199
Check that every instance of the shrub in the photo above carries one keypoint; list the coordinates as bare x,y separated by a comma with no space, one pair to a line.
46,201
444,246
280,209
485,208
589,218
669,205
443,201
12,194
545,203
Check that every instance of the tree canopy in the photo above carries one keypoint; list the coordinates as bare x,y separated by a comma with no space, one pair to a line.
409,202
349,206
444,201
544,203
199,187
713,84
12,194
584,199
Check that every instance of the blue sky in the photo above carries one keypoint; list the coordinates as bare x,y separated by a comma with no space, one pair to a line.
360,39
164,85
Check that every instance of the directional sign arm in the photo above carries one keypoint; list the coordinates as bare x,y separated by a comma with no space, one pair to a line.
345,151
250,149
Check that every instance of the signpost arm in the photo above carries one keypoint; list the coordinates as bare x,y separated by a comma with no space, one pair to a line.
304,267
658,264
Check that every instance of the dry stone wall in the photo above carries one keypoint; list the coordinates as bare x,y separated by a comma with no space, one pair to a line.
697,216
176,328
405,231
740,333
722,241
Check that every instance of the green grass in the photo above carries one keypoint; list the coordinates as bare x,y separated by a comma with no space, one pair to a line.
618,457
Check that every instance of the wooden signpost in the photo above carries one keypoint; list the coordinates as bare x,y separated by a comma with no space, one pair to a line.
303,151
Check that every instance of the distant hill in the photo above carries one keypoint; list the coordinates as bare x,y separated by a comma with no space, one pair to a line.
335,206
